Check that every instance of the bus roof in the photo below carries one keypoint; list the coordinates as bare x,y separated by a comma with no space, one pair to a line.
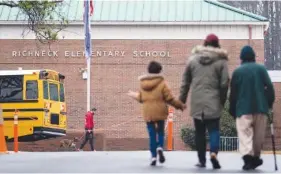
17,72
20,72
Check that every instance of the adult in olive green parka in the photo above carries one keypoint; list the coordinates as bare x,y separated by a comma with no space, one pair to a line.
206,74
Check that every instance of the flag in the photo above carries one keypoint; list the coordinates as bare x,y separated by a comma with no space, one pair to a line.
87,28
91,7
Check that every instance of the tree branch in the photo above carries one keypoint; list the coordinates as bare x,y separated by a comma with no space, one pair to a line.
11,4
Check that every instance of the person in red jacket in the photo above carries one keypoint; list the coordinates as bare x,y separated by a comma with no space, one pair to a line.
89,126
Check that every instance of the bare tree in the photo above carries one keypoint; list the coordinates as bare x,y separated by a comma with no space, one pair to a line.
41,18
272,11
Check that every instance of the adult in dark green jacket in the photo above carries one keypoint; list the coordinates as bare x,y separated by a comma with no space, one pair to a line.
206,74
251,97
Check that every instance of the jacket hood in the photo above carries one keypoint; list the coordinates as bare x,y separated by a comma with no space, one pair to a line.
150,81
208,55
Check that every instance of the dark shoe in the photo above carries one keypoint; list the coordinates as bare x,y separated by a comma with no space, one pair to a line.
256,162
248,162
161,155
215,162
153,162
200,165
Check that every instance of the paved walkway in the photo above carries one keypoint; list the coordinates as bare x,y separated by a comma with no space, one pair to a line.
121,162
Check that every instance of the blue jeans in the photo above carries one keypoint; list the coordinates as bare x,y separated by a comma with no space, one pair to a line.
154,135
200,137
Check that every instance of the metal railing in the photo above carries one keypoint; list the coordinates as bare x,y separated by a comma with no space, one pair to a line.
229,144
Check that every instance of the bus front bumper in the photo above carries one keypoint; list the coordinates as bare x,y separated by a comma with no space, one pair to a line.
49,131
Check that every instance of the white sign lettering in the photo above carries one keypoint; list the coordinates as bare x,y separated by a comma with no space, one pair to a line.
81,54
34,53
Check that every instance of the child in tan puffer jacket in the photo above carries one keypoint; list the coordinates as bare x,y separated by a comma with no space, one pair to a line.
154,95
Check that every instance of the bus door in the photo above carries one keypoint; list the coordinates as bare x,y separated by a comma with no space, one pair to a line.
63,116
33,111
54,106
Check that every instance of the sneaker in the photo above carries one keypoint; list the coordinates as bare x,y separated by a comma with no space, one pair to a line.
161,155
215,162
153,161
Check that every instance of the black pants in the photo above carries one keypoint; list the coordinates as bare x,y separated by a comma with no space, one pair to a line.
200,137
88,136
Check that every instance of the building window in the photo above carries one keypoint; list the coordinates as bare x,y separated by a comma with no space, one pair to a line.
54,93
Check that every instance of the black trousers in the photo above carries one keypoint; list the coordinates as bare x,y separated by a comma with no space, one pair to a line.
89,136
200,137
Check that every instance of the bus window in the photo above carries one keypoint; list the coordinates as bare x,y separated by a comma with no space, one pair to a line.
54,92
11,88
31,89
46,90
61,92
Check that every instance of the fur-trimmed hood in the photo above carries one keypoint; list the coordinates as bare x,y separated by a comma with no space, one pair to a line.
150,81
208,55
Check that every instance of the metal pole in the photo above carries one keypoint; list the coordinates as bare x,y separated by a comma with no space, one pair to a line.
88,83
88,45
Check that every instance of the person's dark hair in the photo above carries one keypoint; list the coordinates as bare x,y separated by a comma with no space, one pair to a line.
154,67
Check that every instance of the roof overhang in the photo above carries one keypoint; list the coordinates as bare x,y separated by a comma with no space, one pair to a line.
266,26
71,23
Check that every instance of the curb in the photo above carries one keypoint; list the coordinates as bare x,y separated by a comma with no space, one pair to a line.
271,152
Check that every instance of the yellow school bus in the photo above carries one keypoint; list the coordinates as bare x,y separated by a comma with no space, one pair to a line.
39,98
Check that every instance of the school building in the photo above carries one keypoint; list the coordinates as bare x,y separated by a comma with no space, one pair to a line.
126,35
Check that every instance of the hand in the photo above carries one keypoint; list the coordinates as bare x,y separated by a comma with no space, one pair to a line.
183,107
132,94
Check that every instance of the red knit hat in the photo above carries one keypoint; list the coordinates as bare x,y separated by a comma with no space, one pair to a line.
212,39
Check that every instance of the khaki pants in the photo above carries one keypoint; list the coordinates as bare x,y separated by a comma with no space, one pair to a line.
251,132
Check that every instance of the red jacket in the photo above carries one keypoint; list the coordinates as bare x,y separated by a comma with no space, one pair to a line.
89,120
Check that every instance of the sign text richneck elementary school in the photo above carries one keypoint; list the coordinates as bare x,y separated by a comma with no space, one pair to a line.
77,54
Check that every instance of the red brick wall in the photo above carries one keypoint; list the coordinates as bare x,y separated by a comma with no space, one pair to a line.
111,77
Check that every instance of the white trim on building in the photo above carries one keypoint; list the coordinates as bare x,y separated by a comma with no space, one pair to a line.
168,31
275,76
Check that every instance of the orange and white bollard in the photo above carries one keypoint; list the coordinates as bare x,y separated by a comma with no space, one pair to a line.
170,129
3,145
16,143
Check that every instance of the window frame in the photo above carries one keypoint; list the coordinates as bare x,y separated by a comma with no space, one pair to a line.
37,90
50,98
48,90
21,98
61,90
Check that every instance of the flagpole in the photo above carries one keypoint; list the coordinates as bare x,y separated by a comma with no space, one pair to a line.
89,62
88,83
88,49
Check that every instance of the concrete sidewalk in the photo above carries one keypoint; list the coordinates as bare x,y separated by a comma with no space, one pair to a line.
121,162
